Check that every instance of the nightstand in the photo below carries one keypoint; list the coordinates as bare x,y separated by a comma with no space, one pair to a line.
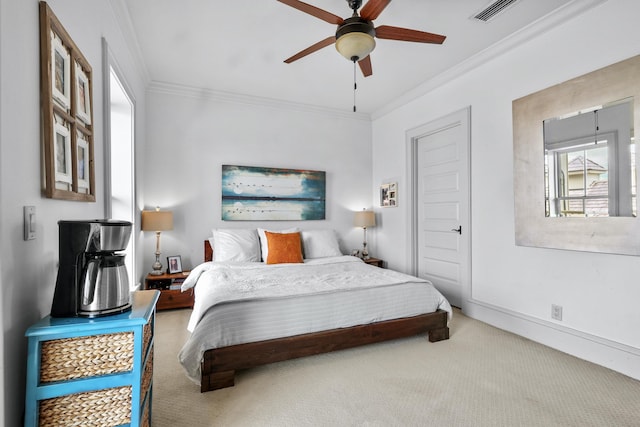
375,261
170,294
99,369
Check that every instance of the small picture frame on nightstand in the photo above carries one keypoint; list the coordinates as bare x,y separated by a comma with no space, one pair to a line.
175,264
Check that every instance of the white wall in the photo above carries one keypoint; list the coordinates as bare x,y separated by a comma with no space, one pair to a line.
193,133
513,287
190,136
28,273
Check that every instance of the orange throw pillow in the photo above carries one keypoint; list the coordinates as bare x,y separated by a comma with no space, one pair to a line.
283,248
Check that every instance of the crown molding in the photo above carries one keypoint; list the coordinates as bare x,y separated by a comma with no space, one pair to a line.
525,34
236,98
123,19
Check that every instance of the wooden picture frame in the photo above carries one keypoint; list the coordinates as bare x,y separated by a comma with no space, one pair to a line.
67,114
174,264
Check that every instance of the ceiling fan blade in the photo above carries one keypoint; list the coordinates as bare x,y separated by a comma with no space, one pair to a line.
365,66
373,8
323,43
314,11
404,34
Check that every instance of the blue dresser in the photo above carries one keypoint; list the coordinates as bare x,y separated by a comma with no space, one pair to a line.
97,371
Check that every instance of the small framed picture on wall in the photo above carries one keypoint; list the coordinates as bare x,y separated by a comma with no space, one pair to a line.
62,155
389,195
83,165
60,72
83,94
175,264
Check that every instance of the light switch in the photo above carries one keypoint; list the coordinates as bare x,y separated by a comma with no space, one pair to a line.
29,222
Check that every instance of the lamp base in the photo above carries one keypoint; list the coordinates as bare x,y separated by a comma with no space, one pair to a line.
365,251
157,266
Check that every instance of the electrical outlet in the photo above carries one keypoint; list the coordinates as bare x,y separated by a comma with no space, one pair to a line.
556,312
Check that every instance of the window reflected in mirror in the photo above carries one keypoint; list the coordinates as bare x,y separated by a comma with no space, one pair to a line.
589,162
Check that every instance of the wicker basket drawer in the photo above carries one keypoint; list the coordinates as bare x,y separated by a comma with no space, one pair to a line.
107,407
147,377
146,416
147,334
72,358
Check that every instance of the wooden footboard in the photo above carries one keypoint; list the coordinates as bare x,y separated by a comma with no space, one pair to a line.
219,365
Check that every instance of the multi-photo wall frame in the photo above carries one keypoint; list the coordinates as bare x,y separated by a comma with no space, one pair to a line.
389,195
67,114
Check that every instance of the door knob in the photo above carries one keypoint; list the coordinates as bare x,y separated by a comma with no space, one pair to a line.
457,230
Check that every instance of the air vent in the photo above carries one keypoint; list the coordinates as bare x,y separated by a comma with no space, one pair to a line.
493,9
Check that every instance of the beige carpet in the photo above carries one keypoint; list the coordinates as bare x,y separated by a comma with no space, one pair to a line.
481,376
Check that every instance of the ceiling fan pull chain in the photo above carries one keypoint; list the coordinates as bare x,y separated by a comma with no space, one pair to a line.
355,86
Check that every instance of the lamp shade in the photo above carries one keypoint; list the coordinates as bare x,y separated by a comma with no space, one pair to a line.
157,220
364,219
355,46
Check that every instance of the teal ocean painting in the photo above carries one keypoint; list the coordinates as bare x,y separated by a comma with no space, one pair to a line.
251,193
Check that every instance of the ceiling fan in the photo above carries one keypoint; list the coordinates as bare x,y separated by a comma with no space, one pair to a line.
354,38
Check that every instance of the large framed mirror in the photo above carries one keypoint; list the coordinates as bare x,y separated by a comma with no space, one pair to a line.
575,163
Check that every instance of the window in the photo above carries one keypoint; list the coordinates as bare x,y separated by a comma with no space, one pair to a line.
119,154
580,184
590,163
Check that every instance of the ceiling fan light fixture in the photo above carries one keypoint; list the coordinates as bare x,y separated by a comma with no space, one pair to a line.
355,38
355,46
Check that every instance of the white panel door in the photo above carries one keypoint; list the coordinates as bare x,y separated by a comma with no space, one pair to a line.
442,192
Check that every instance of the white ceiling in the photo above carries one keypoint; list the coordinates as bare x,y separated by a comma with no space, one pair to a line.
239,46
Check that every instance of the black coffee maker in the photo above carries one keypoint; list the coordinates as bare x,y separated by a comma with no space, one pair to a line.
92,278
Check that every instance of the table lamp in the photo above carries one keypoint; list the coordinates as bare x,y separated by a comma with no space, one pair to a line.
157,221
365,219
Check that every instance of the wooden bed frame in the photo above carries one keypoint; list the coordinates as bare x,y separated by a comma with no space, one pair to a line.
218,365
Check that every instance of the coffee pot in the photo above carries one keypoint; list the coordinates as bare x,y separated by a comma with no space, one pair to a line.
92,278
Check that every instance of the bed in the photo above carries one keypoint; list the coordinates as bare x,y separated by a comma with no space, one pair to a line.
249,312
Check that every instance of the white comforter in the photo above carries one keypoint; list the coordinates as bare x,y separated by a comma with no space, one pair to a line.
237,303
225,282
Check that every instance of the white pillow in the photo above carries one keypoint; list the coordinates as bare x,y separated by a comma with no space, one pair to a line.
320,244
264,246
236,245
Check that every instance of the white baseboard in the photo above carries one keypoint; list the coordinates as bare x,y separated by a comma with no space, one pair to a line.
610,354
